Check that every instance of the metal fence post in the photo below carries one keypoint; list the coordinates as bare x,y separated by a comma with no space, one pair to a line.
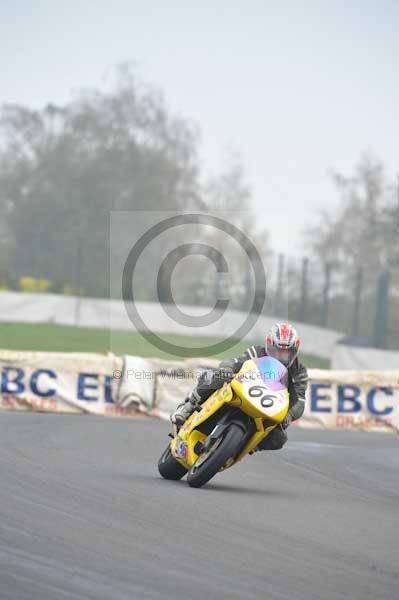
381,309
358,300
303,304
279,289
326,294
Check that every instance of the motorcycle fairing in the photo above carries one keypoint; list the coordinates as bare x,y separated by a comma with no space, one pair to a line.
264,375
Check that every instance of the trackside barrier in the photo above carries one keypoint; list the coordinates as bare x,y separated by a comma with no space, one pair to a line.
363,400
88,383
59,382
363,359
112,385
20,307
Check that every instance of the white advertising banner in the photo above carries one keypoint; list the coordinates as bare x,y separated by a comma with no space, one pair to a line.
110,385
60,382
364,400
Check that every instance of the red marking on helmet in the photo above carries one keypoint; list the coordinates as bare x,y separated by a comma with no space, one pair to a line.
285,331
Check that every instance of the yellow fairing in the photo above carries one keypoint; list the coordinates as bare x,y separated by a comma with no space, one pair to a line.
247,376
188,435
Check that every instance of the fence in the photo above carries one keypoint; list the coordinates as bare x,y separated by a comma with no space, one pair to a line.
363,306
320,298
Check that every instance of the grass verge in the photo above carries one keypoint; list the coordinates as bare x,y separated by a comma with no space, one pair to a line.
64,338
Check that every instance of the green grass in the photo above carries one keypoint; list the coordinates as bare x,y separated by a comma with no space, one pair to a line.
63,338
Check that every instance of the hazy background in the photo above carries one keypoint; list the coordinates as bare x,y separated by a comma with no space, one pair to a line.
295,87
288,111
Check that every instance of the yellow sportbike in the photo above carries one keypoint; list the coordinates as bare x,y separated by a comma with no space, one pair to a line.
229,424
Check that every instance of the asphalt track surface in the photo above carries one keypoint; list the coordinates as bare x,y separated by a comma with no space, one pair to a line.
85,515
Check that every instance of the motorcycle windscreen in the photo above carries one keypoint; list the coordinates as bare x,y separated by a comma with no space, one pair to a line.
273,373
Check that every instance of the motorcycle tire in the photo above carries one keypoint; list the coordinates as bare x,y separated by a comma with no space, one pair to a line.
227,447
169,467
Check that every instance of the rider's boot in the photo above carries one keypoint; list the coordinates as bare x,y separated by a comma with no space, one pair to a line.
185,410
274,441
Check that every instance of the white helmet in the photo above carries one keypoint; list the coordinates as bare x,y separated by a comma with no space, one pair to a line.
282,343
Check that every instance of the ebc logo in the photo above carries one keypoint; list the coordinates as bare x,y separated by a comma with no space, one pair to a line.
88,387
325,398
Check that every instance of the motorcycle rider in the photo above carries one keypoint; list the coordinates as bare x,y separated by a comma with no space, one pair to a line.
282,343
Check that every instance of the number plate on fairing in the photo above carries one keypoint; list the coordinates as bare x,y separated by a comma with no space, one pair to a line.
263,398
259,382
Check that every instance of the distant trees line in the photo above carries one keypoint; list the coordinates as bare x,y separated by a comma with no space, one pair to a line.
64,168
351,279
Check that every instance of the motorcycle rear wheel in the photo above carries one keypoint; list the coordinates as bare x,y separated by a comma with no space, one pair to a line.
218,455
169,467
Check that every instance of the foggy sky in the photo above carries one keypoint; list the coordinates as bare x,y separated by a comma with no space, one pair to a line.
297,88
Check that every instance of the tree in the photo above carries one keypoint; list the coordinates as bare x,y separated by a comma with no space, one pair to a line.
359,239
63,169
353,234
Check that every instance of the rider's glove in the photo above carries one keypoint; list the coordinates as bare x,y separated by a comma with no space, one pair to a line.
225,374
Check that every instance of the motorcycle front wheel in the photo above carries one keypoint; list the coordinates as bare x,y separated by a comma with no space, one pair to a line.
210,463
168,466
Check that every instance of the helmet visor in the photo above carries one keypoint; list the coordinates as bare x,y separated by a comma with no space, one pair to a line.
285,356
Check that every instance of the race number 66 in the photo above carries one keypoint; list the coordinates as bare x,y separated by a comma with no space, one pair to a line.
256,391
